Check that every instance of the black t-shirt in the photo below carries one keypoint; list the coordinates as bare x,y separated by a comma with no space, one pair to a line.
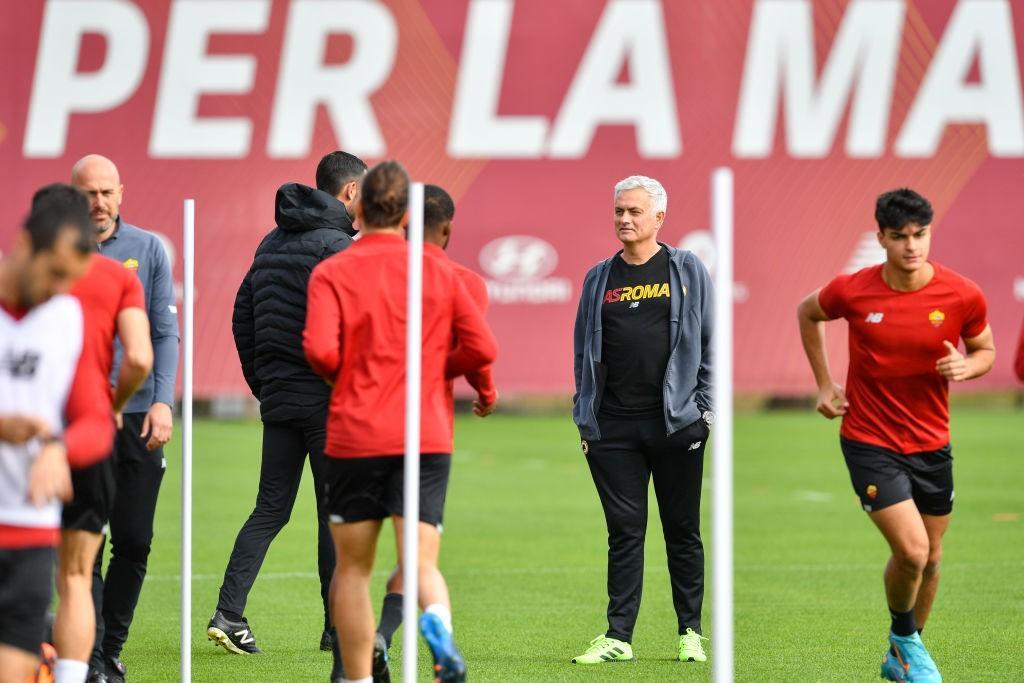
635,344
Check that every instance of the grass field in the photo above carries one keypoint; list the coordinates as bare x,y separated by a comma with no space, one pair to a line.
525,558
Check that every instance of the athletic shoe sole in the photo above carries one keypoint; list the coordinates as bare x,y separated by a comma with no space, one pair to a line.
220,638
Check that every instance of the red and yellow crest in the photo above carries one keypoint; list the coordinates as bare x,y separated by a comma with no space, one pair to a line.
131,264
872,491
936,317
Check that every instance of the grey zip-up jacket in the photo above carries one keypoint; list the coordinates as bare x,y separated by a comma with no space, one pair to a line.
141,251
687,387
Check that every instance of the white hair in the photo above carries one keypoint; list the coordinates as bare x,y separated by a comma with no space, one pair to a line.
659,198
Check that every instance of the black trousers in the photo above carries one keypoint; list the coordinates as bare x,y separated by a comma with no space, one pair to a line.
285,446
138,473
622,464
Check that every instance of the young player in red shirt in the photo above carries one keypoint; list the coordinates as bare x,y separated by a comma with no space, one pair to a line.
49,415
112,302
438,213
355,339
906,318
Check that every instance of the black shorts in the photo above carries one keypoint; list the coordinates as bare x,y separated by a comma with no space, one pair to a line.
93,488
882,477
26,582
358,489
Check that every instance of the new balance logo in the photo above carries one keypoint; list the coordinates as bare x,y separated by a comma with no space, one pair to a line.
694,446
874,318
21,365
245,637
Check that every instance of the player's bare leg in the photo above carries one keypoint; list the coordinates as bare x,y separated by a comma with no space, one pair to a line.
432,587
394,584
936,527
75,626
436,622
16,665
351,611
904,530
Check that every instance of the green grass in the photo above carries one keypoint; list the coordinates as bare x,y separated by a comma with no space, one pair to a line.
524,554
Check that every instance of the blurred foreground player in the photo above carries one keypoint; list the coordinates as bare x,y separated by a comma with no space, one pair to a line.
906,318
355,339
48,417
112,303
438,214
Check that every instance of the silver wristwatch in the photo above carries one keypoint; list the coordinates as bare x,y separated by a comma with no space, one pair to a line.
708,417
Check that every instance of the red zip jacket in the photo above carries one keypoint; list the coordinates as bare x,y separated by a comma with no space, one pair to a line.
482,379
1018,365
355,339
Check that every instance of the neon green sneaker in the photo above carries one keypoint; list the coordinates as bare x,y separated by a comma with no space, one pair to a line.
604,649
691,648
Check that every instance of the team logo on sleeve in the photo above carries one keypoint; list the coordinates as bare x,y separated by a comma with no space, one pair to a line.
936,317
131,263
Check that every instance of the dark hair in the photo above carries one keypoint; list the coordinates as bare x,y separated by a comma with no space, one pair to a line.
438,207
898,208
56,208
336,170
385,195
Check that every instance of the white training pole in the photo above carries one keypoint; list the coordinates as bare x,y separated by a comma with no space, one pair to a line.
721,477
411,504
188,297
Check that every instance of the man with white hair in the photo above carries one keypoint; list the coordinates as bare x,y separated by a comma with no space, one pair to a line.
642,363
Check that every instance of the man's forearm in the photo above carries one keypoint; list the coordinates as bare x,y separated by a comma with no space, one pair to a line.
129,379
812,334
979,362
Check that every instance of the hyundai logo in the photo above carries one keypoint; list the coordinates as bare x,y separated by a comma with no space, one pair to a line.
518,258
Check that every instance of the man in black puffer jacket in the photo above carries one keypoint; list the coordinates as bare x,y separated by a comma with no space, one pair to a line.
269,316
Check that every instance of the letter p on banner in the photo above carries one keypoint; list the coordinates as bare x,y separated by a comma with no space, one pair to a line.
58,90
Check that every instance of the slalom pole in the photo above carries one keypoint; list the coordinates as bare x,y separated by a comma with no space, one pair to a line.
722,453
411,503
188,296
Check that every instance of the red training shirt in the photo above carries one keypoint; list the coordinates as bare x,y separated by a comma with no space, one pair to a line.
482,379
106,289
1018,366
898,400
355,339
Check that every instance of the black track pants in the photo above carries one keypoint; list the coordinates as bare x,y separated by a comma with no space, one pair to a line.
285,446
622,464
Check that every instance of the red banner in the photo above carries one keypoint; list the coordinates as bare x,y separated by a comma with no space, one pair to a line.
528,112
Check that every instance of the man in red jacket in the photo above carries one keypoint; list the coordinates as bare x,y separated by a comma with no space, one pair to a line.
355,339
1018,365
438,213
